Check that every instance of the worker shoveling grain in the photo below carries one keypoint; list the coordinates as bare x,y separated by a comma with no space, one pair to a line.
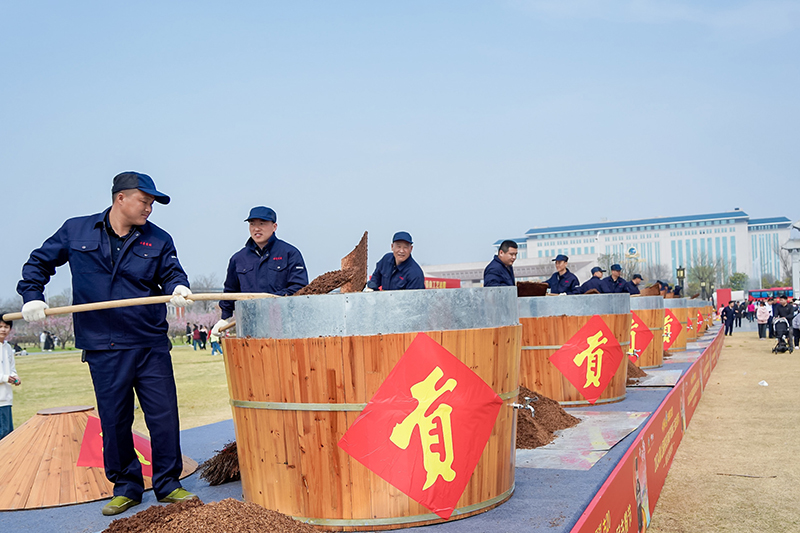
226,516
351,278
538,429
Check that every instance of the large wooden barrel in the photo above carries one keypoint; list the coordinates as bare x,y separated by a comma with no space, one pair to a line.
303,369
709,314
691,320
681,312
549,322
697,308
650,309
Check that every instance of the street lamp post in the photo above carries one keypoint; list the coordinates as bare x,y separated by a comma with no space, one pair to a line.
680,273
703,290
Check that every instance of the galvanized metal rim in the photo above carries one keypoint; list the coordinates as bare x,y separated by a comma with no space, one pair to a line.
556,347
406,519
291,406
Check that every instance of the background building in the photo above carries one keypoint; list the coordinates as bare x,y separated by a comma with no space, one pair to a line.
723,243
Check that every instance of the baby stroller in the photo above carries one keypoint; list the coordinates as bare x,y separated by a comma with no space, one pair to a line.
783,334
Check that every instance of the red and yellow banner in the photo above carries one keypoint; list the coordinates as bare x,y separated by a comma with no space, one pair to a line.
641,337
425,429
590,358
442,283
91,453
672,328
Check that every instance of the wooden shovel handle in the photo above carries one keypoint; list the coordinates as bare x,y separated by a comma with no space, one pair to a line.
228,326
147,300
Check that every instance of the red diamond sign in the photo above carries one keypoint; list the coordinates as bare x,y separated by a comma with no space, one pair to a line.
426,427
672,328
641,337
590,358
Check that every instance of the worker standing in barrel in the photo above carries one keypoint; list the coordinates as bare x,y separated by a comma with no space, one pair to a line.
265,264
397,270
500,271
112,255
595,282
615,282
563,281
632,286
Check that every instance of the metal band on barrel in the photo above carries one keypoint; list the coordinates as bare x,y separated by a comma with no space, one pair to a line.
656,329
406,519
289,406
556,347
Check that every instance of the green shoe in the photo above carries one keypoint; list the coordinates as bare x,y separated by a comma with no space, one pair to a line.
178,495
118,504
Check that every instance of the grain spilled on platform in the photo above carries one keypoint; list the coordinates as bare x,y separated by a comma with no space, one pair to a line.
634,373
538,430
226,516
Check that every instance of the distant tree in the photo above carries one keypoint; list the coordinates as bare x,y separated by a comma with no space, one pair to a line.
205,283
703,269
737,281
768,281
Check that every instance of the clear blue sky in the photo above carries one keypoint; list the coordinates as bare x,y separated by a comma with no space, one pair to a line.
461,122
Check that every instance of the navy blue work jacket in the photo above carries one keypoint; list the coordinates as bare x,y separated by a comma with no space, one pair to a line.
278,268
496,274
593,283
728,315
631,288
147,266
567,283
614,286
392,277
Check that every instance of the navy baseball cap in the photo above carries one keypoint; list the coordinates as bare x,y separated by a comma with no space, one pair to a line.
262,213
637,276
595,270
616,267
136,180
402,236
561,257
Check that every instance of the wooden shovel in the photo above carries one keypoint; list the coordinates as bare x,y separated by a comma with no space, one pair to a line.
147,300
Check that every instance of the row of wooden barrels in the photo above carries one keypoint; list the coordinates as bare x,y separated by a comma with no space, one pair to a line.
302,370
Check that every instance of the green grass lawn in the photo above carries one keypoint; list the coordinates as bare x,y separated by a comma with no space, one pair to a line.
58,379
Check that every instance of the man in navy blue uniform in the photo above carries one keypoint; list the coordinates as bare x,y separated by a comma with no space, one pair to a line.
265,264
595,282
632,286
615,282
563,281
397,270
500,271
112,255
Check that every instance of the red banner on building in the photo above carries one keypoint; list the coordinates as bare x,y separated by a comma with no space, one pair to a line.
442,283
425,429
641,337
590,358
91,453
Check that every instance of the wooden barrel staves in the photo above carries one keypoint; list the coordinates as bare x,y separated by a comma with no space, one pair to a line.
548,323
678,309
324,410
698,316
650,310
691,321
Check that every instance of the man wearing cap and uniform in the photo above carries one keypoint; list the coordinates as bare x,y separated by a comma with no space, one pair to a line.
265,264
500,271
632,286
113,255
595,282
615,282
563,281
397,270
